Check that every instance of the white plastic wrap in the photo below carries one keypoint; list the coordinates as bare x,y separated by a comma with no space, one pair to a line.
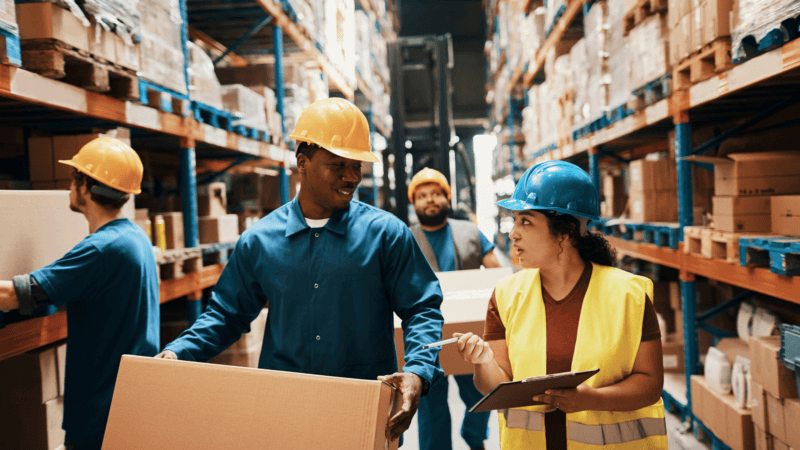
739,373
162,44
648,47
552,8
765,322
562,81
596,28
580,80
118,16
744,321
619,90
718,371
203,84
244,102
533,33
598,96
757,18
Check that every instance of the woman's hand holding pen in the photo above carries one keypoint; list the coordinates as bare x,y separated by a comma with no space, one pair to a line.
474,349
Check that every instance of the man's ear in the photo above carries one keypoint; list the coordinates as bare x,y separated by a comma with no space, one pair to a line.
302,161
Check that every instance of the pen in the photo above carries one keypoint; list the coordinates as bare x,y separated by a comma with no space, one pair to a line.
440,343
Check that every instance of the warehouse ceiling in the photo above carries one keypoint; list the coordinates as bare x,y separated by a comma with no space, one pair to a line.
465,21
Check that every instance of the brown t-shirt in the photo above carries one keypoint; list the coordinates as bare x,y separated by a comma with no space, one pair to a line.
562,332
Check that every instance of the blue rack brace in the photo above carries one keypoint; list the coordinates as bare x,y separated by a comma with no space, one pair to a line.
594,167
188,185
277,42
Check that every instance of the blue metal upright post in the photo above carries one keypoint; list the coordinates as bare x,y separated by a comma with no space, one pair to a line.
277,41
683,146
594,167
188,185
371,122
511,142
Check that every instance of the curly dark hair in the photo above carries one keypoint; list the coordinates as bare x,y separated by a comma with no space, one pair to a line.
107,203
304,148
592,247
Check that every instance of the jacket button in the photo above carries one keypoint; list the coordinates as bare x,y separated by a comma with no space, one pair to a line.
316,285
318,337
316,234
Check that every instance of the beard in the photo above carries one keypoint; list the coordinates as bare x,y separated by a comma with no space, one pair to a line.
435,219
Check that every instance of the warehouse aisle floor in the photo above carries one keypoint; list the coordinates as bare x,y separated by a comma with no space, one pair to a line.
677,440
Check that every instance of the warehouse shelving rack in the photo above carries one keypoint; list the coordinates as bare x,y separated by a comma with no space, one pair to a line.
27,98
749,92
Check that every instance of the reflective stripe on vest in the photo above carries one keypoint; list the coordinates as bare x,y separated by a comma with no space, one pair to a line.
521,418
616,433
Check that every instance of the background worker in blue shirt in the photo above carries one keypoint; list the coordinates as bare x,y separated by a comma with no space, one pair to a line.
448,245
333,270
109,282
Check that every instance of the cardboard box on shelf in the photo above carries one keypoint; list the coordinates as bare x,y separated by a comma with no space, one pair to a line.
173,229
32,426
763,439
222,229
759,406
614,193
159,204
786,215
742,214
653,206
791,415
777,444
748,174
732,425
35,377
40,158
37,214
214,202
466,297
768,371
717,19
777,425
646,175
155,398
673,353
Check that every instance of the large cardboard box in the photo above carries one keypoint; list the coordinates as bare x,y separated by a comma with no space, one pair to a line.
214,202
717,19
614,193
222,229
673,354
37,214
777,425
40,158
768,371
653,206
769,173
466,299
646,175
162,57
763,439
165,405
786,215
742,214
791,414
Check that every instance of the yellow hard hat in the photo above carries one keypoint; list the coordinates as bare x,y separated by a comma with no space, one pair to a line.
111,162
425,176
336,125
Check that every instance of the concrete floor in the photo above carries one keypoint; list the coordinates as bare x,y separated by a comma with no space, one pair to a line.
677,440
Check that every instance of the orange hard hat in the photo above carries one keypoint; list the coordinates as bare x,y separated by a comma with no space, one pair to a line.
336,125
111,162
425,176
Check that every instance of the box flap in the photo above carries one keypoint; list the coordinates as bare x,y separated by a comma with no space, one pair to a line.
765,156
160,404
716,160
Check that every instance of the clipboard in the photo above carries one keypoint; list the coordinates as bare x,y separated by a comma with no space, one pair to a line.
514,394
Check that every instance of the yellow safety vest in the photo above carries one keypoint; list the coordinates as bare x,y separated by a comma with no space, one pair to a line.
609,334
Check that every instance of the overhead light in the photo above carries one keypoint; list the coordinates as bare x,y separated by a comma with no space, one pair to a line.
408,144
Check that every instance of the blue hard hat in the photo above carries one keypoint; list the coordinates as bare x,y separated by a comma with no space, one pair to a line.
556,186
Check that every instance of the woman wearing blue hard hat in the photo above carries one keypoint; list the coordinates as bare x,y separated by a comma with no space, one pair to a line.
569,312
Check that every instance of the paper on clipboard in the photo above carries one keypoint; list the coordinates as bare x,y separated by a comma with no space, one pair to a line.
515,394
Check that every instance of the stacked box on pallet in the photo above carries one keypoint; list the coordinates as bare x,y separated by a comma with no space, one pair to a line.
653,191
580,78
776,408
619,88
515,50
533,29
596,30
553,11
761,21
340,37
648,45
364,46
162,58
203,84
245,104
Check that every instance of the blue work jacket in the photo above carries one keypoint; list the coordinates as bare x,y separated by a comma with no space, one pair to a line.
331,294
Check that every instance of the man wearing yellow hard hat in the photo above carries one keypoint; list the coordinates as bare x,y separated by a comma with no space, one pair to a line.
109,282
333,270
448,245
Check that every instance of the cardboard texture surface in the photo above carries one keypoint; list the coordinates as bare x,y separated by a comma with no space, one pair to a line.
222,229
786,215
164,405
791,414
466,299
777,425
768,371
37,214
759,406
32,426
763,439
673,354
755,173
742,213
35,377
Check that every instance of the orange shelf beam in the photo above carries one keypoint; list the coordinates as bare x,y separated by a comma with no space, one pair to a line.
555,37
190,283
21,337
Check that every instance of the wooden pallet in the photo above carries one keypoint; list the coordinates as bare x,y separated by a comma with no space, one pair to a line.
643,10
217,253
174,264
715,244
651,93
55,59
780,253
704,64
155,97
